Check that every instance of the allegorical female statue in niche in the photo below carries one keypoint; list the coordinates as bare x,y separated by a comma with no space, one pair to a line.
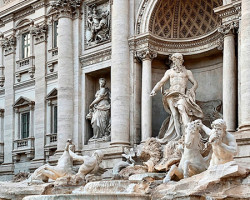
99,112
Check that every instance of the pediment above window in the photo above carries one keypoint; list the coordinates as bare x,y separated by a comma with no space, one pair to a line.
52,94
23,102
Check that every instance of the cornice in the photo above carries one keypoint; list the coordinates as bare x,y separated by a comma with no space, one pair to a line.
95,57
165,47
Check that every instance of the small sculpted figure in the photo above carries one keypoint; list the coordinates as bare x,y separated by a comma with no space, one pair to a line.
100,112
91,164
178,100
191,162
129,154
63,168
224,145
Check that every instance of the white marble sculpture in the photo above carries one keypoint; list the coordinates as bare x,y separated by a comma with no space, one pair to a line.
192,161
224,145
99,113
63,168
90,164
178,100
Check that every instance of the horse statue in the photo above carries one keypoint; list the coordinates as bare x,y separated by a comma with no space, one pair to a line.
192,162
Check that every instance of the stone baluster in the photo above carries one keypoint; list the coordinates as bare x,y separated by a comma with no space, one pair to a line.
146,101
229,76
120,79
66,9
245,62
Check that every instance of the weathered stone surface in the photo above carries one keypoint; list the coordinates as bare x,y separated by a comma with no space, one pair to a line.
17,191
227,181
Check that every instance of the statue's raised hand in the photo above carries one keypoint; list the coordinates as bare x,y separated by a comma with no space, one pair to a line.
153,93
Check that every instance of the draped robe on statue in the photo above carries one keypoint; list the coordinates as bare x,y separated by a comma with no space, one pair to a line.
169,130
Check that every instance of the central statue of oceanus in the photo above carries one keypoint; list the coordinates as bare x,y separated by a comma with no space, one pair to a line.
178,100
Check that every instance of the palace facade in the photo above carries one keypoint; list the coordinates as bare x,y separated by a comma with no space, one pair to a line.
53,54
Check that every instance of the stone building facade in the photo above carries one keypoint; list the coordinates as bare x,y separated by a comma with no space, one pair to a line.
53,53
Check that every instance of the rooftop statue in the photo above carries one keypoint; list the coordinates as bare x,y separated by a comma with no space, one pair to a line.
178,100
224,145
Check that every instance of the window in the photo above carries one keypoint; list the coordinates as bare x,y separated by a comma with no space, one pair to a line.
25,45
54,119
25,124
55,34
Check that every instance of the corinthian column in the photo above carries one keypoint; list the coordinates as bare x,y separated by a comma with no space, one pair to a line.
229,77
245,62
146,101
120,98
65,70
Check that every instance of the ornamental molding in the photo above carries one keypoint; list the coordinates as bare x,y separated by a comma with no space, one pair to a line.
39,32
66,8
230,12
96,57
166,47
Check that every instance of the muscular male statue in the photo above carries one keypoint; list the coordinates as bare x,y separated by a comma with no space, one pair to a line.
178,100
223,143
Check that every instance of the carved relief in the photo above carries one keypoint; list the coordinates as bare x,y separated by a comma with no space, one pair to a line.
97,24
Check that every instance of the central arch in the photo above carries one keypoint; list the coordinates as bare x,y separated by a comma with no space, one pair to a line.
190,27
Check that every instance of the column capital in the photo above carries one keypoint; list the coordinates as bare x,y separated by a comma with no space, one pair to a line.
8,44
39,32
229,28
146,55
66,7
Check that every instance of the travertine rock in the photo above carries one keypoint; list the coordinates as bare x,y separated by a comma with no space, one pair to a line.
227,181
151,153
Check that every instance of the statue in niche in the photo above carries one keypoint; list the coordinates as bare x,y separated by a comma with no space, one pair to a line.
99,113
98,25
178,100
224,145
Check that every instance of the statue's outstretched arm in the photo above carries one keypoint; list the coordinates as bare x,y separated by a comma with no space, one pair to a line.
164,79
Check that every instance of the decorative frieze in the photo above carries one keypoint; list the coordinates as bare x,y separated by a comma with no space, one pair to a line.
66,7
96,57
8,45
39,33
97,23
